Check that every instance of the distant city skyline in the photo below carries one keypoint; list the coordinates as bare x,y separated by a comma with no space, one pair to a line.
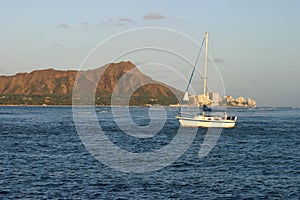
255,44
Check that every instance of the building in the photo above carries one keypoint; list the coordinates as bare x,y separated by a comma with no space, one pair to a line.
203,100
251,102
241,101
214,98
193,100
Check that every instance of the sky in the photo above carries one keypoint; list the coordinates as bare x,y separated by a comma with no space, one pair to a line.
255,44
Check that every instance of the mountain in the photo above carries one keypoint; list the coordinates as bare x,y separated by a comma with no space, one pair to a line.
39,82
55,87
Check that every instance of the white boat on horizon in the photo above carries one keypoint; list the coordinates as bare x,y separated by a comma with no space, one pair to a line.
205,120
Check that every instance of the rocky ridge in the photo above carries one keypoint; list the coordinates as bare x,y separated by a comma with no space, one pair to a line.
55,87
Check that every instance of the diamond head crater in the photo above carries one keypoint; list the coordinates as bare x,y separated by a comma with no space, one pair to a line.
55,87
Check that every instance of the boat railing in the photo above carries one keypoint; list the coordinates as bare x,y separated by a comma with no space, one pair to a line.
188,114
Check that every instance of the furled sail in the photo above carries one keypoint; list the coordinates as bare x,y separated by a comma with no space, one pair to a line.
186,96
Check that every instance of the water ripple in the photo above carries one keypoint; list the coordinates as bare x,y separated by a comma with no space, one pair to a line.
42,157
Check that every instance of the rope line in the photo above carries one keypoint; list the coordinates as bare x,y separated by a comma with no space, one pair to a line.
196,62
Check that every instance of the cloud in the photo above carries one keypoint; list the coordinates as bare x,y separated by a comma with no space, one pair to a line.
57,45
219,60
126,20
85,25
116,22
108,22
215,60
154,16
253,81
64,26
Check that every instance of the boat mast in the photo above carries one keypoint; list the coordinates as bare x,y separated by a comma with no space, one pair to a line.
205,69
205,64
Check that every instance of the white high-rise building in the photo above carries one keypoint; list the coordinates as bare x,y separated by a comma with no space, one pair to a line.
214,98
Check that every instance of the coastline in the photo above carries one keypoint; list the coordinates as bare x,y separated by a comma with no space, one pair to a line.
172,106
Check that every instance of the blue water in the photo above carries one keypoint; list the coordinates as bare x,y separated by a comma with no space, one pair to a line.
42,156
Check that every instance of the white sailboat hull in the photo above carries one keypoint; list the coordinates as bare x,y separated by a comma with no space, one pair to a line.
207,122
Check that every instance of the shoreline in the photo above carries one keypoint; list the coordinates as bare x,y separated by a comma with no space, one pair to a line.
171,106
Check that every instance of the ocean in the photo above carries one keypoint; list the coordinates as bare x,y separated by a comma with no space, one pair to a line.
42,156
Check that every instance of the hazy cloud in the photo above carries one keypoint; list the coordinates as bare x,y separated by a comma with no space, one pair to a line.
64,26
253,81
85,25
57,45
119,22
154,16
218,60
110,21
126,20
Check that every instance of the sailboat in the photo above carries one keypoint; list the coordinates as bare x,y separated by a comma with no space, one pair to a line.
205,120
